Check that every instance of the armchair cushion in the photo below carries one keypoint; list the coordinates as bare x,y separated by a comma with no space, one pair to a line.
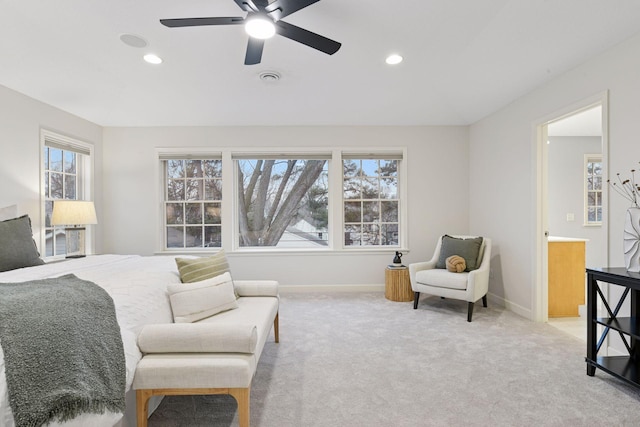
195,301
198,338
441,278
469,249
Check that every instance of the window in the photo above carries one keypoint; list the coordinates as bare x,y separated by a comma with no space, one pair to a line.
282,202
66,166
371,202
192,203
593,189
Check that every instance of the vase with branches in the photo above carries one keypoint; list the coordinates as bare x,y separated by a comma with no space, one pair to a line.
630,190
627,188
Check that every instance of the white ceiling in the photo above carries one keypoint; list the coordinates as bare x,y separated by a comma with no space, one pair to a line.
584,123
464,59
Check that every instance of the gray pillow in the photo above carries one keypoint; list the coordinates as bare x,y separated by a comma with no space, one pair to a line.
466,248
17,247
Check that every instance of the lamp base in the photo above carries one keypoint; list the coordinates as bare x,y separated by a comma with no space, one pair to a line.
75,242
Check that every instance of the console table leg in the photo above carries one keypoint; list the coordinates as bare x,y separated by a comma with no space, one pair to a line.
592,301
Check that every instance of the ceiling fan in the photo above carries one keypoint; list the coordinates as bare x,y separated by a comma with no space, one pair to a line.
262,21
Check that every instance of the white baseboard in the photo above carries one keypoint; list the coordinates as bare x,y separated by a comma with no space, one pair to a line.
615,352
511,306
494,299
582,310
330,288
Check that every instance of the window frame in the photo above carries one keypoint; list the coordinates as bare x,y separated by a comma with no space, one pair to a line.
84,183
592,158
164,159
378,200
229,220
280,155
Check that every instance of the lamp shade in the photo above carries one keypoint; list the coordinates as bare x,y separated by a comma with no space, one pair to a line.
73,212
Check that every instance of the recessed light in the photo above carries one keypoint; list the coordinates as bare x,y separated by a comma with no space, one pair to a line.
152,58
260,27
133,40
394,59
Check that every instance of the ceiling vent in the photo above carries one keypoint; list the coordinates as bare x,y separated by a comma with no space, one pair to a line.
269,76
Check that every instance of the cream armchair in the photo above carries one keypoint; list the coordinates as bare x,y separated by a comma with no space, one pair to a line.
467,286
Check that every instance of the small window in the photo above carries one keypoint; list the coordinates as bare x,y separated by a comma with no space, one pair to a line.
593,189
371,202
193,203
66,165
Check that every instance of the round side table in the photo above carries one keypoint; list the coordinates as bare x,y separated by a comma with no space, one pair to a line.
397,286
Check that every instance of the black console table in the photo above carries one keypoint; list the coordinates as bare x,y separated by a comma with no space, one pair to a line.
626,368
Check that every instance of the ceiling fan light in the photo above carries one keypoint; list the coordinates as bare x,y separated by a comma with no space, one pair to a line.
260,28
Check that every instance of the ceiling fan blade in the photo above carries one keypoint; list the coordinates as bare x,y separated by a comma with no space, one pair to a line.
303,36
281,8
247,5
254,51
196,22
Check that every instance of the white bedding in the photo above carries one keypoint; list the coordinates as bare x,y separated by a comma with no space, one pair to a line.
138,286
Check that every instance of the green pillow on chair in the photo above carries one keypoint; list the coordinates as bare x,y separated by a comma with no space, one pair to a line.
469,249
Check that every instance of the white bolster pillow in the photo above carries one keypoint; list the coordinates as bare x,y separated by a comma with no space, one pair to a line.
256,288
198,338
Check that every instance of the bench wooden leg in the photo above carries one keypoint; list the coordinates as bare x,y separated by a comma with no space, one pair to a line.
276,325
142,406
242,397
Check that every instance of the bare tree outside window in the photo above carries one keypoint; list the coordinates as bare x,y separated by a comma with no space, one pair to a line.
371,203
282,202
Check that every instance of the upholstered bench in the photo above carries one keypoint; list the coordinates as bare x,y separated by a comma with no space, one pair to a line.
215,355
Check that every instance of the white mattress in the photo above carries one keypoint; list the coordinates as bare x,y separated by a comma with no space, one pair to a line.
138,287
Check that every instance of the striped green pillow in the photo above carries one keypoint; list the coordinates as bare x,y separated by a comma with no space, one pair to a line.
198,269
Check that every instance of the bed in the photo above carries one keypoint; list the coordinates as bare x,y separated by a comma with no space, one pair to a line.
137,285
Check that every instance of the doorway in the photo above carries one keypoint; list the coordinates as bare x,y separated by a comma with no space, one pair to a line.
571,160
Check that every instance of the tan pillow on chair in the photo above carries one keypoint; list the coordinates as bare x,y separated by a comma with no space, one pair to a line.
456,264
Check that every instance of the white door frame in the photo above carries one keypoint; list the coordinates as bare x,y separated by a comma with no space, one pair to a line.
540,290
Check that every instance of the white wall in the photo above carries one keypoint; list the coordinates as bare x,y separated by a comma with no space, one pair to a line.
566,194
438,194
21,119
503,173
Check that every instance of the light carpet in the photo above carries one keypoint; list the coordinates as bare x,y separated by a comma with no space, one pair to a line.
357,359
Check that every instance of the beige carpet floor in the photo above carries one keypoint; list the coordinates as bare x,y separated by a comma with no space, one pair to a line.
357,359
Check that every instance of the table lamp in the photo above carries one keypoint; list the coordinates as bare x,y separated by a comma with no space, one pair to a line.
74,214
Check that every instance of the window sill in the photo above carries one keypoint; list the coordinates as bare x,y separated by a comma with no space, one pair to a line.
289,252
